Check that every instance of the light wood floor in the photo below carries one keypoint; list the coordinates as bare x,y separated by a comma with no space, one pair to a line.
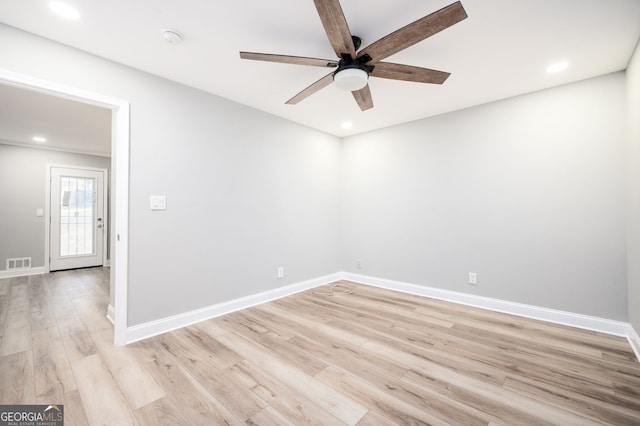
374,357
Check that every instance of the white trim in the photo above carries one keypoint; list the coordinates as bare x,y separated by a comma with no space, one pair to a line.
106,219
23,272
120,220
634,341
111,314
154,328
119,166
47,220
602,325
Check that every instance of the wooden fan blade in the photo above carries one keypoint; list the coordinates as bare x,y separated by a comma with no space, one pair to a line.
335,25
408,73
286,59
322,83
363,98
414,32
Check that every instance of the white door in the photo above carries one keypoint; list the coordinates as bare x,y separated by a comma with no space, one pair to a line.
77,228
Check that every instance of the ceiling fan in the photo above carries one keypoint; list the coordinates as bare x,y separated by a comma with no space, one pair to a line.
353,67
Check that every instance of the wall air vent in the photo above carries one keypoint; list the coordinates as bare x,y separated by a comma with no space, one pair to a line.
19,263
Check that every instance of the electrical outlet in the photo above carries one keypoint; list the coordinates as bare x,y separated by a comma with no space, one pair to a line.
358,264
473,278
280,272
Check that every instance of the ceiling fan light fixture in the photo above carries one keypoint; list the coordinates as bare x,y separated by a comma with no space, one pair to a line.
350,79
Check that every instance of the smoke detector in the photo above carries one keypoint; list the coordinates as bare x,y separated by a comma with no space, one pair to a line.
172,36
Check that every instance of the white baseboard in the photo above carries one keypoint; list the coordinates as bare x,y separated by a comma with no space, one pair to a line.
111,314
23,272
634,341
154,328
602,325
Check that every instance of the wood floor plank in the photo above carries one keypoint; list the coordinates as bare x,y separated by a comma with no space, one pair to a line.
5,286
415,343
303,361
38,297
238,400
365,364
427,371
138,386
4,304
17,332
162,412
344,408
19,294
195,402
388,406
268,417
212,328
523,339
373,418
272,322
282,398
515,363
92,315
53,377
501,412
42,316
600,409
202,342
16,378
436,403
108,406
304,317
74,414
75,335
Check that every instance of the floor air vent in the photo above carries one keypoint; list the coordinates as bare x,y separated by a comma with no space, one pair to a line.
19,263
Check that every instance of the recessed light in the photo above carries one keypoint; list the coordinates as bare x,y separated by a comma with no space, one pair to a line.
64,10
557,67
346,125
39,139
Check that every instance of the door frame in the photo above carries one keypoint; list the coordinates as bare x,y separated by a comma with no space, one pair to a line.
119,185
47,211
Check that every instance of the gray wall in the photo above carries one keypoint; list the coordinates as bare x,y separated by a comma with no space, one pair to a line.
246,192
528,192
633,232
23,190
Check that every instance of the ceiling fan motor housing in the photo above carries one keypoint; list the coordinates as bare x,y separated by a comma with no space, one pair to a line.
352,73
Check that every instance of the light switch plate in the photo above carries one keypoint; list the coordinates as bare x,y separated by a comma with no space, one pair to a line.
158,202
39,212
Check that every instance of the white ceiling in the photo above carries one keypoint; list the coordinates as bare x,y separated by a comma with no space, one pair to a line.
501,50
67,125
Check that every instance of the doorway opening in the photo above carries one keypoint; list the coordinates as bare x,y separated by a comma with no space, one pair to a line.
118,236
